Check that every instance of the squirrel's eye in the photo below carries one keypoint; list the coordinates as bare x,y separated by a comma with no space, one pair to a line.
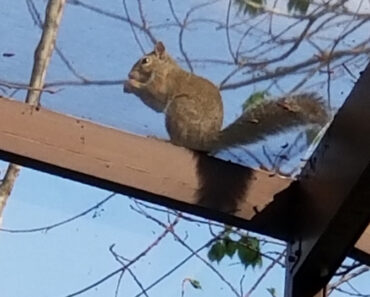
145,61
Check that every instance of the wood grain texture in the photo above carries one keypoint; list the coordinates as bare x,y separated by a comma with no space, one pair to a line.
142,167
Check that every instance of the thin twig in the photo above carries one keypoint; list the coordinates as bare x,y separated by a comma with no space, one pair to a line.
122,261
177,266
55,225
228,33
38,22
183,243
263,275
134,260
132,27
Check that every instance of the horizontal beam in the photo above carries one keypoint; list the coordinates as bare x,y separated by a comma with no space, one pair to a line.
149,169
142,167
361,252
334,191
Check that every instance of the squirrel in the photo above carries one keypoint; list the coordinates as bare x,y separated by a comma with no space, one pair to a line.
194,112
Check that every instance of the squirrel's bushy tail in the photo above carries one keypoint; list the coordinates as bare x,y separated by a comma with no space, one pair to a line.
271,117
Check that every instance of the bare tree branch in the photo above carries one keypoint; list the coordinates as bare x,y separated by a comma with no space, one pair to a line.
37,20
6,186
61,223
115,16
54,12
134,260
53,15
183,243
263,275
346,277
132,27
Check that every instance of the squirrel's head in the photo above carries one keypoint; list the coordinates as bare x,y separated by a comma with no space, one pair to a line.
146,67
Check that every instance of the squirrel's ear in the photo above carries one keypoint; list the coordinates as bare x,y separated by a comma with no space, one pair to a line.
159,49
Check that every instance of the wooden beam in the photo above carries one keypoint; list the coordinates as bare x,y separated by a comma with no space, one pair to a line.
361,252
149,169
142,167
335,196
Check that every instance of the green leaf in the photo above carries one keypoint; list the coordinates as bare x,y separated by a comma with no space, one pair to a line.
195,283
217,252
230,246
272,291
258,261
249,251
252,7
300,6
227,230
255,7
254,100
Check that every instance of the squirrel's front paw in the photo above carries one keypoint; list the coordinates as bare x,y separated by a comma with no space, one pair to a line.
127,86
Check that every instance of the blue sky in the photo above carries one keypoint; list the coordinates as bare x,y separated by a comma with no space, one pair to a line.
65,259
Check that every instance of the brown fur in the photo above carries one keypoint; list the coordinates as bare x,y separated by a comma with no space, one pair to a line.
194,111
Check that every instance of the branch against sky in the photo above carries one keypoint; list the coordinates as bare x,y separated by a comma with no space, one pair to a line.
63,222
346,279
45,48
129,263
6,186
258,51
43,52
